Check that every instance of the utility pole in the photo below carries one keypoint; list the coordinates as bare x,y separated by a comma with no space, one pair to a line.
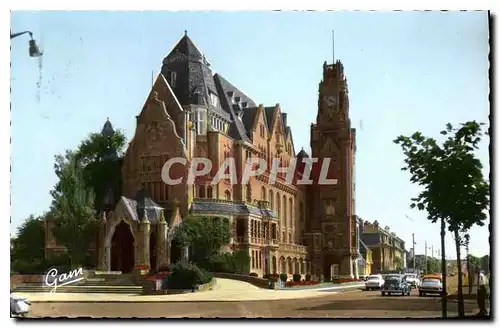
425,256
413,255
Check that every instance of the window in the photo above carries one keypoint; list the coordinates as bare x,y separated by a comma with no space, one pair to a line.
214,100
291,208
271,199
329,207
249,193
278,207
201,191
284,207
263,193
209,192
173,78
228,195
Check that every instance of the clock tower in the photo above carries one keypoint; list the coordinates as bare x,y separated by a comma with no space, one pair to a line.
331,234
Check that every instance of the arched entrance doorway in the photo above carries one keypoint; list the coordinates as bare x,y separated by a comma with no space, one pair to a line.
175,251
122,249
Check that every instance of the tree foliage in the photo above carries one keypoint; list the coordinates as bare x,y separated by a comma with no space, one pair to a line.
75,222
454,189
204,235
27,252
97,146
450,175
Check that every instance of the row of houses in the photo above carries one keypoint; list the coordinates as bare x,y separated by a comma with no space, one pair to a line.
380,249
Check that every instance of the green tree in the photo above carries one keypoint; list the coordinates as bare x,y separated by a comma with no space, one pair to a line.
27,252
97,147
454,190
99,154
204,235
75,224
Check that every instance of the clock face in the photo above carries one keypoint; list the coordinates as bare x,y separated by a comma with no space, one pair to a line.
330,101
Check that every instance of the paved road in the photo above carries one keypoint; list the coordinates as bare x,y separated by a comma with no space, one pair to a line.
353,304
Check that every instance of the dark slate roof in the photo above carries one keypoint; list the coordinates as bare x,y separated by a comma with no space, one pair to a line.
248,119
371,238
186,47
107,129
302,154
269,113
229,209
145,205
237,129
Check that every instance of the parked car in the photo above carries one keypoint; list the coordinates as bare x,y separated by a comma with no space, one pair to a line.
430,285
395,284
19,306
413,279
374,282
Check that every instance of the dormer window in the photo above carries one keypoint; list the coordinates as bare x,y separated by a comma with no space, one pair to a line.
173,77
214,100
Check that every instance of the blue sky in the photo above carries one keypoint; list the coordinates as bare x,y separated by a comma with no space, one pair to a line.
406,72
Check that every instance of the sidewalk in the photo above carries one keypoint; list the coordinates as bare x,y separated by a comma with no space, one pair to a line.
226,290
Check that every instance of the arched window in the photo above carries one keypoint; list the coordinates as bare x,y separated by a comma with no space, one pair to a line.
201,191
263,193
290,239
284,207
271,199
278,205
210,192
228,195
249,193
291,208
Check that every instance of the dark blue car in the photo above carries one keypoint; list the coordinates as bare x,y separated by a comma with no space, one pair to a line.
396,284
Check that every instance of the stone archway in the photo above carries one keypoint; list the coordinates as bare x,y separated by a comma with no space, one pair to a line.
289,265
122,253
282,265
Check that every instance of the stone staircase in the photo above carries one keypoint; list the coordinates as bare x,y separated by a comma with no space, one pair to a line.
105,283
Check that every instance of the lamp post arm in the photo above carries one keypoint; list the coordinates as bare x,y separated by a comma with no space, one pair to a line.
12,36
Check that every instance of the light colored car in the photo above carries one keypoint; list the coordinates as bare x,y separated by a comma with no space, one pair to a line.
430,285
413,279
374,282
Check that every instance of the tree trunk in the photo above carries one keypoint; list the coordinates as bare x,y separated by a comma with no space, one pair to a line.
461,312
443,269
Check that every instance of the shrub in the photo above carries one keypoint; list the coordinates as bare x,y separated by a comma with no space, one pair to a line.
236,262
253,274
185,276
283,277
296,277
273,277
308,277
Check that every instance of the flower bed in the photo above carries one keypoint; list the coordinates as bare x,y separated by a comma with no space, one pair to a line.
300,283
343,281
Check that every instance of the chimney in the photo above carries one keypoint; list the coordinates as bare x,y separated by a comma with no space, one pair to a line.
283,115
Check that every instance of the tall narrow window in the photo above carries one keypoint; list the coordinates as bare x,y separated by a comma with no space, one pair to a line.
173,77
228,195
209,192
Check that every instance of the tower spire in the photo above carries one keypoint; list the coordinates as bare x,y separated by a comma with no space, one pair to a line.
333,46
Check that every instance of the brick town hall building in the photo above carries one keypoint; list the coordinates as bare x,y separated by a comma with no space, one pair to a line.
190,112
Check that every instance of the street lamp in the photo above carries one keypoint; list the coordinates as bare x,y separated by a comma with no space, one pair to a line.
34,51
